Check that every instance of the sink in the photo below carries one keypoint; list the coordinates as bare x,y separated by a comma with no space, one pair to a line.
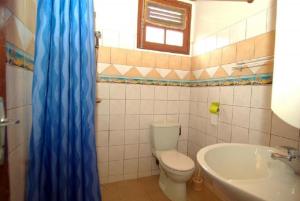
241,172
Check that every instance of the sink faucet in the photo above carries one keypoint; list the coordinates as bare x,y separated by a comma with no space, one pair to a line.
292,158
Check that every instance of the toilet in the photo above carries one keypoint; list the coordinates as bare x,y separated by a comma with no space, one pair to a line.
175,168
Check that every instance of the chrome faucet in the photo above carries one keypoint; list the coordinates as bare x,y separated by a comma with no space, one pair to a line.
291,158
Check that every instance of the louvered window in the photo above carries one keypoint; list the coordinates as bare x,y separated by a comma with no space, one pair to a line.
164,25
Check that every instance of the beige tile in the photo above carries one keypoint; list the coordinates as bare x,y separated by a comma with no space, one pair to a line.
30,49
265,44
104,54
186,63
229,54
220,73
215,57
162,60
148,59
267,68
111,70
175,62
154,74
194,63
204,76
172,76
133,72
190,76
204,60
118,56
134,57
30,15
245,50
12,34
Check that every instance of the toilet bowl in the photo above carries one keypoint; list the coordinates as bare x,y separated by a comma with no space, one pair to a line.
175,168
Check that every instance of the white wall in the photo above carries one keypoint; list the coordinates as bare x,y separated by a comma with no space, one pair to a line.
222,23
117,20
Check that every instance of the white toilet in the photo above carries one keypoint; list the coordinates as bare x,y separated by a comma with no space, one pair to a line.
175,168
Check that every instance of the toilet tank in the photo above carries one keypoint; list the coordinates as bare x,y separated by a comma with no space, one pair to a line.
164,136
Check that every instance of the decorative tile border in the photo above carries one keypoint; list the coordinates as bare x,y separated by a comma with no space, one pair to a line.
21,59
18,57
109,69
144,81
259,79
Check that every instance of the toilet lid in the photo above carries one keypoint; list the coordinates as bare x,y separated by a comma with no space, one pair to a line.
177,161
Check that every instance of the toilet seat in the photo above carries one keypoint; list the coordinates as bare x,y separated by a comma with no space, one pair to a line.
176,161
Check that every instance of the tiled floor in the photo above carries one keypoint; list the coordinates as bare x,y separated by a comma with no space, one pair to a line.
147,189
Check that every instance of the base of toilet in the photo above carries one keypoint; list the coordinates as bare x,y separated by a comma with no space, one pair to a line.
173,190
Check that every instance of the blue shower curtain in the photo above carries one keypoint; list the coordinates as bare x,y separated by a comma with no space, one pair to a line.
62,152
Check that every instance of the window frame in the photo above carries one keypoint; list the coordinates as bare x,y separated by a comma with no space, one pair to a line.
141,27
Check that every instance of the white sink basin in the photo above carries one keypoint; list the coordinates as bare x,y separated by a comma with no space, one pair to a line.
241,172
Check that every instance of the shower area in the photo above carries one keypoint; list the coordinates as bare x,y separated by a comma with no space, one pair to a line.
17,51
17,30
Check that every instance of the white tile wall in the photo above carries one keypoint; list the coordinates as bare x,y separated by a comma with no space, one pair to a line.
245,117
123,134
223,38
18,99
242,95
241,116
257,24
147,92
238,32
251,26
123,126
261,96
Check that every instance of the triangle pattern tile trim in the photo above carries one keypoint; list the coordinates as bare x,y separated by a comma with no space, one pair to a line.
197,73
181,73
23,32
163,72
123,69
144,70
255,69
102,67
228,68
212,70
